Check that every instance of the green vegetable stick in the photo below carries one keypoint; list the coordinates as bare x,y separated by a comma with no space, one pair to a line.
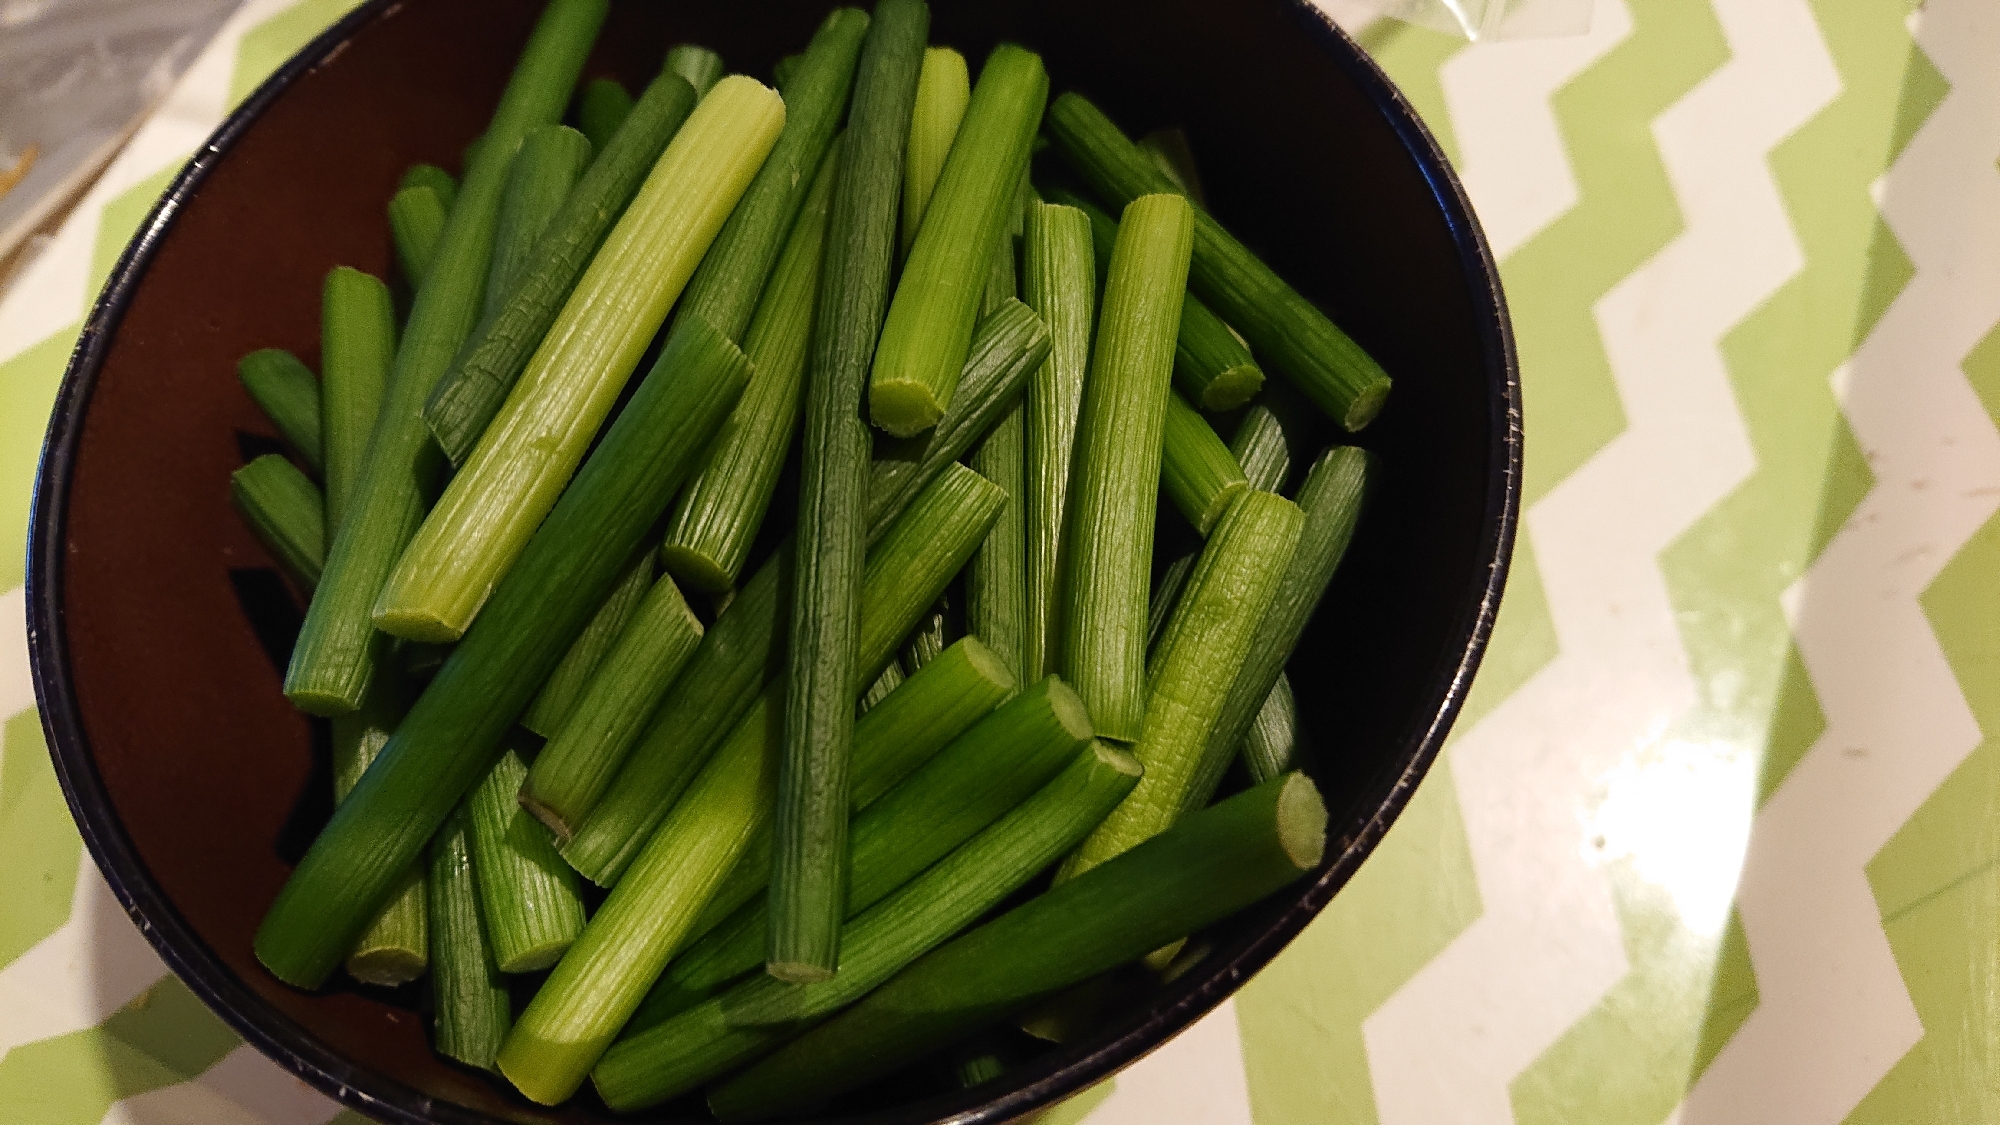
417,219
556,701
944,86
544,172
783,70
930,638
471,392
890,679
395,949
811,824
718,1034
337,646
527,894
1170,152
527,454
928,332
1117,464
596,987
1262,449
717,518
434,178
996,585
1059,283
467,989
1274,744
357,348
1204,869
701,67
1197,472
1328,366
1190,676
286,512
1166,595
621,695
451,736
285,390
601,108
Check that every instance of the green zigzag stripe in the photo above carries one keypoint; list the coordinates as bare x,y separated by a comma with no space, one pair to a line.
163,1038
38,839
1685,993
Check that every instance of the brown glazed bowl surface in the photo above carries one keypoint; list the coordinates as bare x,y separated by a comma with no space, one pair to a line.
159,628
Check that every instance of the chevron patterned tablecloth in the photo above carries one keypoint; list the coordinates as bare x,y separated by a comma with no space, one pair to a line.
1715,841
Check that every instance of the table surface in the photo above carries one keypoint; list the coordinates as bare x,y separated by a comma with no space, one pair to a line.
1715,839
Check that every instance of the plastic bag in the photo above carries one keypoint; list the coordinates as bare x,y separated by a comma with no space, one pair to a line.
1470,19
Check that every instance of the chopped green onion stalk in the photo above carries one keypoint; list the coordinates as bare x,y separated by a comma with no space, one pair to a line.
944,86
527,894
285,390
701,67
811,825
1117,464
890,679
286,512
931,636
395,949
762,1012
1261,449
465,400
1170,152
1189,678
452,735
1166,595
620,696
1274,744
467,989
433,177
996,585
338,646
601,108
784,69
1059,283
1282,325
1197,471
357,347
928,332
526,456
1206,868
417,220
544,172
558,698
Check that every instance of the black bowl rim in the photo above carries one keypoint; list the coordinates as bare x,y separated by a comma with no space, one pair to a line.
1040,1084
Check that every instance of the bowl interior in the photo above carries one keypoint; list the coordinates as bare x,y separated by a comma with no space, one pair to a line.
164,628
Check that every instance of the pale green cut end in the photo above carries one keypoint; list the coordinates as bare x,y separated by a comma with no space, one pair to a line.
536,957
692,568
1069,709
1224,497
324,704
1236,386
546,1071
798,972
903,407
1301,821
1366,405
417,625
994,670
1128,765
387,967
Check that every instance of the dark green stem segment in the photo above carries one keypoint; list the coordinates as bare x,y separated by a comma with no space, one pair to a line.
1274,743
1117,464
452,735
286,512
1059,283
433,177
1206,868
716,520
527,894
544,172
721,1033
1189,677
395,948
783,70
931,637
601,108
558,698
1170,152
890,679
996,585
468,992
701,67
285,390
417,219
1166,595
622,693
928,332
1280,323
1197,471
338,646
470,393
809,860
357,347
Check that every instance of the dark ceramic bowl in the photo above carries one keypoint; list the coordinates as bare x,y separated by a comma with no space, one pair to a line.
159,630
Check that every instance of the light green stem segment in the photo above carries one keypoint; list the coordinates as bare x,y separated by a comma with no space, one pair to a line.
596,988
285,390
395,948
601,108
1208,638
465,400
357,346
929,327
1331,497
944,86
973,782
544,172
527,894
417,220
468,991
811,823
701,67
531,448
621,695
338,646
1206,868
1280,323
433,177
1275,744
1197,471
558,698
1117,464
1059,282
717,518
286,512
1166,595
721,1033
1262,448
